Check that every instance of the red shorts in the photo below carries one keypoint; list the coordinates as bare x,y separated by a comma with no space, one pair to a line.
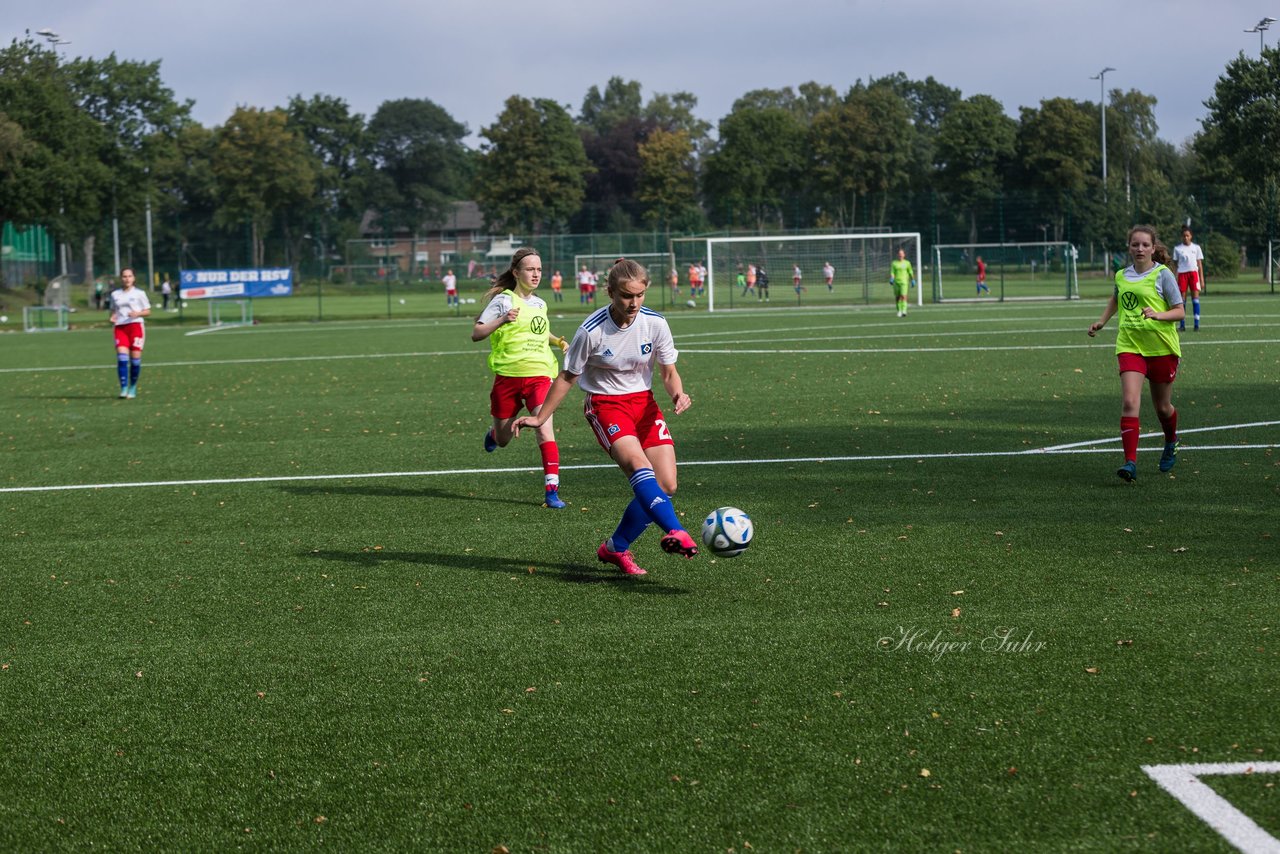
1157,369
1189,280
613,416
509,394
131,336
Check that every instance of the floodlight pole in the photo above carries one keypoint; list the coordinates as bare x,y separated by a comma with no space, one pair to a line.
1101,77
1260,28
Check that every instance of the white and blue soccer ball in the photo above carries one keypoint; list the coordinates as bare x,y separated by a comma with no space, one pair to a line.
691,304
727,531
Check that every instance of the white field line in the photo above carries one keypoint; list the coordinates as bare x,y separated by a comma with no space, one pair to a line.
860,458
1184,783
723,351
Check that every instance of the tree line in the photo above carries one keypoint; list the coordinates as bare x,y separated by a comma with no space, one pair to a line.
88,142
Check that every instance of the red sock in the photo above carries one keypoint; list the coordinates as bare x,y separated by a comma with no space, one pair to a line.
1170,426
1129,438
551,463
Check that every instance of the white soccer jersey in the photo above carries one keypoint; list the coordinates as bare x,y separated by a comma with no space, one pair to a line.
450,283
828,270
501,304
1187,256
127,304
585,277
609,360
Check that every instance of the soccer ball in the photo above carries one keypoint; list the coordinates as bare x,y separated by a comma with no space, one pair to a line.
727,531
691,304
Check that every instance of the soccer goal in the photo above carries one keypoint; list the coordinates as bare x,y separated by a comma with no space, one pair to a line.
796,268
43,318
1015,271
1273,263
224,313
659,264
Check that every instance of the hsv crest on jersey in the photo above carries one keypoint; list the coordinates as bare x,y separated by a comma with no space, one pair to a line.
646,348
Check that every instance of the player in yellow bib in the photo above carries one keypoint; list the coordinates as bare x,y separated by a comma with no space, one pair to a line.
515,322
1149,303
901,277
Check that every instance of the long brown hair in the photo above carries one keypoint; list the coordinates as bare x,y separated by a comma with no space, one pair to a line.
507,281
1159,252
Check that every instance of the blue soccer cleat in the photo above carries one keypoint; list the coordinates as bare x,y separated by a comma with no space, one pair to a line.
1128,472
1170,456
553,500
490,444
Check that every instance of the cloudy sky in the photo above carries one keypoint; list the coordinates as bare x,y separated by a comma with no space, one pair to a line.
469,56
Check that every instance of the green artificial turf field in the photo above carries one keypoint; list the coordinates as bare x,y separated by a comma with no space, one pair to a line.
283,600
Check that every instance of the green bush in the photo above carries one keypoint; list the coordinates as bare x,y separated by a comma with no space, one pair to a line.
1221,257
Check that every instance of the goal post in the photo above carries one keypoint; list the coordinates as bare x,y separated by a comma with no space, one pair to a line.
1014,271
797,267
43,318
1273,263
225,313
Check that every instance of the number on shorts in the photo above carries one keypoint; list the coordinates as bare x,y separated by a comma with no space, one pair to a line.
663,432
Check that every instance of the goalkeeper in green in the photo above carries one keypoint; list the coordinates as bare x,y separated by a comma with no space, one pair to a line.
901,277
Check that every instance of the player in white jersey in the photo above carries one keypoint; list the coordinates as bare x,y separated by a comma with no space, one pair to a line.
1190,260
128,306
612,357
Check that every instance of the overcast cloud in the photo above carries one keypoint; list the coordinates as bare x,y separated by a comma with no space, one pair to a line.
469,57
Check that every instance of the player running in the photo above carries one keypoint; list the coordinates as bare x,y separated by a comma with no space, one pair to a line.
515,322
128,306
612,358
1148,301
981,282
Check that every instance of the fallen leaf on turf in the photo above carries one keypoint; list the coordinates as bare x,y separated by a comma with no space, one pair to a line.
320,819
1124,643
924,772
955,612
1092,670
957,592
1013,771
501,849
1180,549
530,689
138,675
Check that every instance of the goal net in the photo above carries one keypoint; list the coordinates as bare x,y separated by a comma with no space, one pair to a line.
224,313
797,268
1014,271
40,318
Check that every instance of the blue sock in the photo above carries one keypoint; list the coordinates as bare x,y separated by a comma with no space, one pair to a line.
644,483
122,368
634,520
1195,309
135,368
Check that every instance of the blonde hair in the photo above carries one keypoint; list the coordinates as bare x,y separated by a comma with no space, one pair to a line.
625,270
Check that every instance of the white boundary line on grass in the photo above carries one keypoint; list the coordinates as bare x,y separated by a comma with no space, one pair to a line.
1075,448
1184,783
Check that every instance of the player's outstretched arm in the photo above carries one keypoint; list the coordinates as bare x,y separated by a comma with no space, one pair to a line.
559,388
675,387
1106,315
483,329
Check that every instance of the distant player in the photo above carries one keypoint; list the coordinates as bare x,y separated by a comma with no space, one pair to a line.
828,274
695,279
557,286
515,322
450,288
795,279
901,276
1190,259
982,276
762,283
128,306
742,280
751,281
612,359
584,285
673,278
